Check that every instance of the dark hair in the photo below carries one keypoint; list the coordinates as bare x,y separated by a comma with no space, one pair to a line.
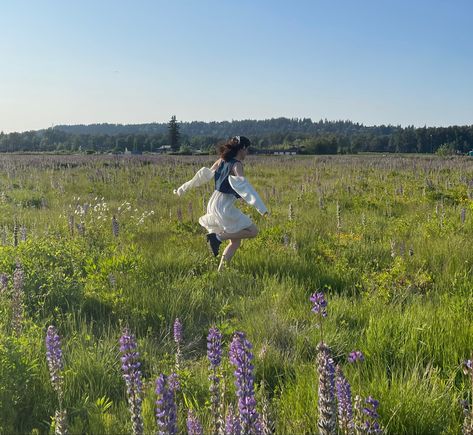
230,148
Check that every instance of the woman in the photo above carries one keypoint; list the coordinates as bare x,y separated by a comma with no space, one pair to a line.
223,220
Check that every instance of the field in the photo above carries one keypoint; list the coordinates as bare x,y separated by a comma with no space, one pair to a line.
387,239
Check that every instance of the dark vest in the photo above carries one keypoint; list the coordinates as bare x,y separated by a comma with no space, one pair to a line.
221,177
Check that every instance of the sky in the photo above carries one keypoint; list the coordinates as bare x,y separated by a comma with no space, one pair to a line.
399,62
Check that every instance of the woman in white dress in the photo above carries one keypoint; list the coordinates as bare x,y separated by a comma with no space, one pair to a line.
223,220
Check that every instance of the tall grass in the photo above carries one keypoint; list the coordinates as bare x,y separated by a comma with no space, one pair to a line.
395,266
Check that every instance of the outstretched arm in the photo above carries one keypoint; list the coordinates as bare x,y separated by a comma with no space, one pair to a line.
202,176
244,188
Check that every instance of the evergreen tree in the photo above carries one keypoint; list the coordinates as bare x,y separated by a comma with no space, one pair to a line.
174,135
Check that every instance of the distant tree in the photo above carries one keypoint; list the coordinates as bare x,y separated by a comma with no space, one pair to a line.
174,135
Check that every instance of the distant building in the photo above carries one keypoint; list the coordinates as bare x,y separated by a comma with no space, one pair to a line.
281,152
164,149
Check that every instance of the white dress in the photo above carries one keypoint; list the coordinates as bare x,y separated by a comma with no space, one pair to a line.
222,215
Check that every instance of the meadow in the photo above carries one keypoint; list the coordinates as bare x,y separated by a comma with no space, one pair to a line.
97,244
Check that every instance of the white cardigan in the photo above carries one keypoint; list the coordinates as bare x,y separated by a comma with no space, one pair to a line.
239,184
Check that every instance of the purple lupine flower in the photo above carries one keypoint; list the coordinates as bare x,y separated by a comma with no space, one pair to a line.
345,407
214,353
326,401
173,382
178,340
468,367
60,423
267,426
232,423
177,330
17,299
319,304
214,347
355,356
193,424
3,282
132,376
54,359
166,411
371,416
468,418
241,357
115,226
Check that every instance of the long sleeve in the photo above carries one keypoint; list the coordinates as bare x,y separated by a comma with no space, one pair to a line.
244,188
202,176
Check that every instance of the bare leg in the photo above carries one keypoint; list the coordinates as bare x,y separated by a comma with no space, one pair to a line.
228,253
246,233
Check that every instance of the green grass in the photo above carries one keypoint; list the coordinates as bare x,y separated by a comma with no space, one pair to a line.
409,314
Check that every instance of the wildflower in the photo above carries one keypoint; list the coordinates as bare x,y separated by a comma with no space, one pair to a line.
232,423
60,423
326,395
177,331
319,304
468,420
241,357
371,416
15,234
17,299
178,341
468,367
173,381
3,282
355,356
115,226
55,366
166,412
132,376
54,359
214,354
267,426
345,408
214,347
193,425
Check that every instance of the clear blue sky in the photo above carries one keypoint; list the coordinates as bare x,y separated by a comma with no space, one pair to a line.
371,61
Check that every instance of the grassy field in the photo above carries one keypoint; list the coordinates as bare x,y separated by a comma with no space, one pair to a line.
387,239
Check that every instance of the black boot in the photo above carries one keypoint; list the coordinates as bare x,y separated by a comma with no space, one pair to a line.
214,243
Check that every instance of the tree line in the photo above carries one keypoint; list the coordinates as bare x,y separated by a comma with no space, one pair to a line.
322,137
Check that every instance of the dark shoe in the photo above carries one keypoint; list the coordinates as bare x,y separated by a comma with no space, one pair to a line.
214,243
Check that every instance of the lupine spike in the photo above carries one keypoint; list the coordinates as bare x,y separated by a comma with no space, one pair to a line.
178,340
115,226
55,363
344,402
193,424
370,424
54,359
327,422
60,423
468,409
232,423
132,376
15,234
214,354
266,421
241,357
17,299
166,412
